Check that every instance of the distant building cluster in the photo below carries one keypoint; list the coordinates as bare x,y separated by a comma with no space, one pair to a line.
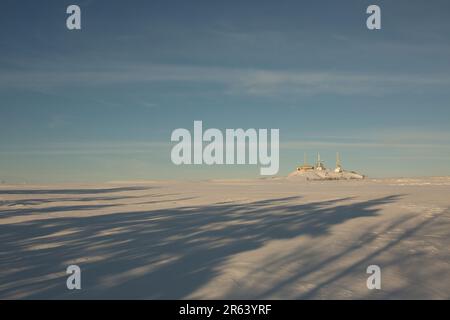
319,165
320,172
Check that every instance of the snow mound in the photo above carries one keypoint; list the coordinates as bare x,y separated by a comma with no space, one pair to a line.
325,175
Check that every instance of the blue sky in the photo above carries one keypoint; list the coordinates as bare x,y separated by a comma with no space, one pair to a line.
100,104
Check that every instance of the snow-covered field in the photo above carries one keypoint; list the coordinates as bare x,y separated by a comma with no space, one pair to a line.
260,239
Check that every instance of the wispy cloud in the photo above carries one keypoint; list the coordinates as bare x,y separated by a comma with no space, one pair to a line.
298,145
400,138
88,148
233,80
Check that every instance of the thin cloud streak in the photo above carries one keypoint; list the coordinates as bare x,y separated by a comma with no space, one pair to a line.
234,81
297,145
124,148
